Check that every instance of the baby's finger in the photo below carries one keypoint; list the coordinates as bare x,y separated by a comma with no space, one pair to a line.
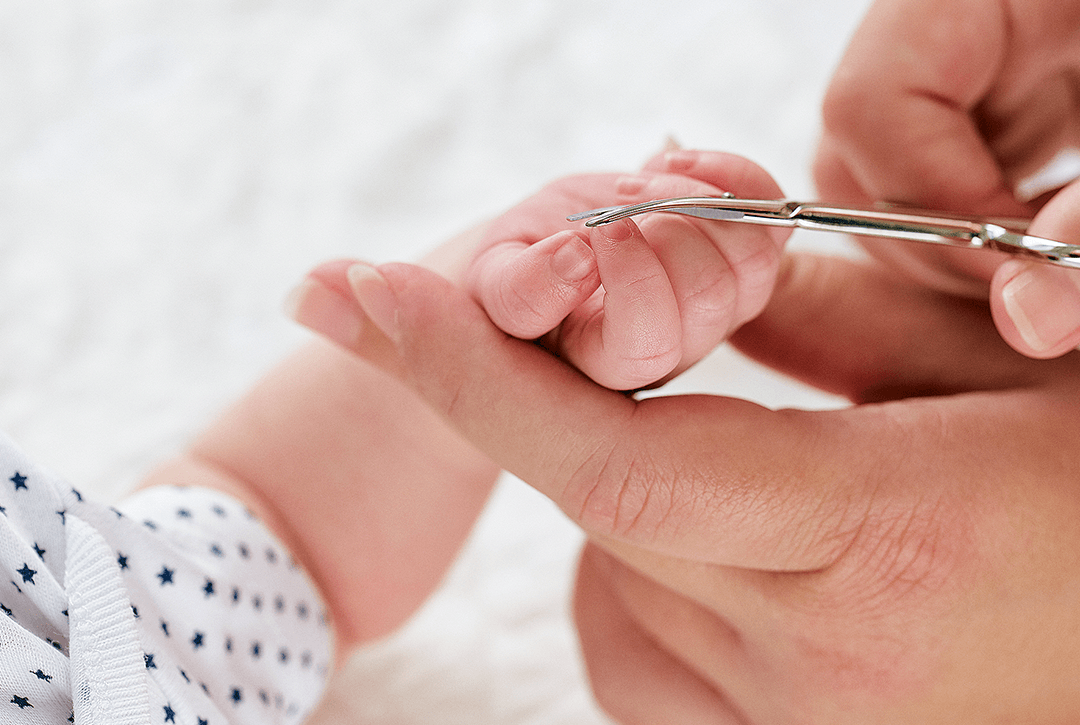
527,290
725,171
721,273
630,335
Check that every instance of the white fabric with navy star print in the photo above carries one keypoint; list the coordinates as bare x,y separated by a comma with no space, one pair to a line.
178,607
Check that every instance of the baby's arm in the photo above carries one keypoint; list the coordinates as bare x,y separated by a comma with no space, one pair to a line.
629,304
372,492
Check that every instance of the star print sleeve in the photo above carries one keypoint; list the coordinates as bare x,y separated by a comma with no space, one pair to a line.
177,607
226,617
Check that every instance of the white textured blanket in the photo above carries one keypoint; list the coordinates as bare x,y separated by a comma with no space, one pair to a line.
168,170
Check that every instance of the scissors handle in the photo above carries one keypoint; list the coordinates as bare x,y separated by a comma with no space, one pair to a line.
882,221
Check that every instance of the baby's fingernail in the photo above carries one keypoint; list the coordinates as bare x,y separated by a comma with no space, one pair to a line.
680,160
573,261
631,184
326,311
375,297
617,231
1044,304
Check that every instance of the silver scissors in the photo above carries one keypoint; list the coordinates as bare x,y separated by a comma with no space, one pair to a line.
883,220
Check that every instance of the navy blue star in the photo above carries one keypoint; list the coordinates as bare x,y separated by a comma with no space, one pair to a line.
166,575
186,678
42,676
283,656
63,516
165,627
22,702
78,496
3,511
27,574
122,560
203,722
236,695
150,525
7,611
264,697
271,556
256,650
302,610
149,660
197,640
236,595
170,716
228,644
279,603
216,551
183,514
39,551
19,480
244,551
219,511
208,590
256,602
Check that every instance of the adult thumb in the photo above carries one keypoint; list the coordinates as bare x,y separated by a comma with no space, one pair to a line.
1036,306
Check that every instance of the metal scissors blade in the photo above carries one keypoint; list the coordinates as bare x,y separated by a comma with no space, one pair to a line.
882,220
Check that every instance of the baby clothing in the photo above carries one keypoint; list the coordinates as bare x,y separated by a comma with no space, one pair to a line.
177,607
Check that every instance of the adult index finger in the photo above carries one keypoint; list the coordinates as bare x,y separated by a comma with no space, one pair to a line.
700,477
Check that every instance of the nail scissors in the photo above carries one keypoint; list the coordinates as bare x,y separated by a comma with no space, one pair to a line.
882,220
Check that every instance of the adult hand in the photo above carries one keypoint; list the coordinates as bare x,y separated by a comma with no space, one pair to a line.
911,559
969,106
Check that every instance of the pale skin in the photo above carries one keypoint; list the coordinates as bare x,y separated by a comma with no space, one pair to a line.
907,560
640,303
370,490
952,105
910,559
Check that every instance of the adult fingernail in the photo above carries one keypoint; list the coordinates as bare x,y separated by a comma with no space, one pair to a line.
573,261
326,311
375,297
1044,304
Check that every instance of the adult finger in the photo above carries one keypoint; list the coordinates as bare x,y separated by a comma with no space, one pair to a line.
859,330
900,125
634,679
617,466
1037,306
900,106
701,477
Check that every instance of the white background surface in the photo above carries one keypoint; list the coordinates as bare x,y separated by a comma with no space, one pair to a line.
168,170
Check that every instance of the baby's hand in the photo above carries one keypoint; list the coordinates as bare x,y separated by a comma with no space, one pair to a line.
630,304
